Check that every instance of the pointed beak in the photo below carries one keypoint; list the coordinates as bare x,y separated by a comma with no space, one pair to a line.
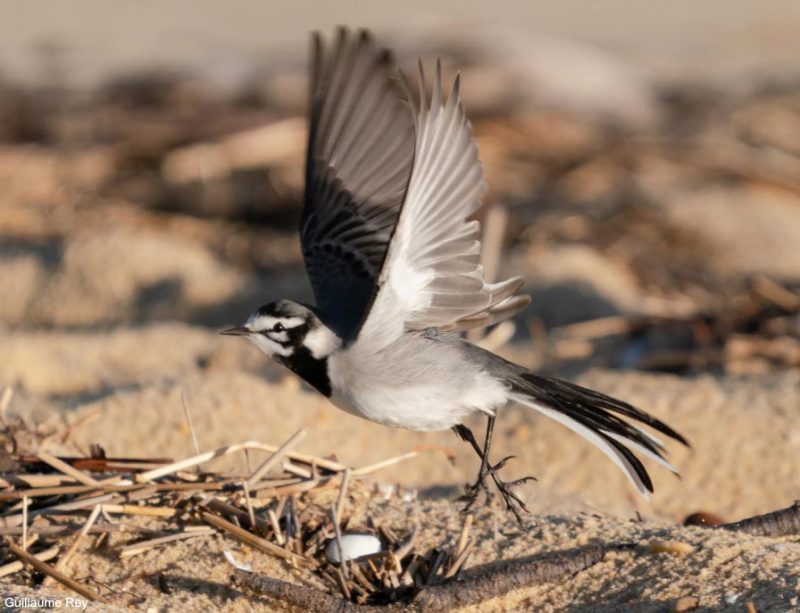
236,331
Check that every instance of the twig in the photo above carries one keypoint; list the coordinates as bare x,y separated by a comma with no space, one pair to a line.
249,504
48,570
343,581
253,540
460,560
65,468
5,402
463,538
227,450
15,567
342,498
25,502
291,468
404,548
785,522
64,560
223,508
297,487
35,480
15,520
141,547
277,143
188,416
777,294
39,492
174,467
342,558
368,470
267,465
276,527
594,328
133,509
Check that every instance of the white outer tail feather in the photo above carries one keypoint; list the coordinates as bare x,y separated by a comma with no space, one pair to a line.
613,454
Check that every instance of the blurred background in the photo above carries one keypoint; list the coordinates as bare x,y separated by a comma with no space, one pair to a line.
644,170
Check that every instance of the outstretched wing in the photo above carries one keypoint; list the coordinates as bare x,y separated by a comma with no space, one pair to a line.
432,277
360,155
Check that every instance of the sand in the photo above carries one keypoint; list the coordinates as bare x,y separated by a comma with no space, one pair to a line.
744,460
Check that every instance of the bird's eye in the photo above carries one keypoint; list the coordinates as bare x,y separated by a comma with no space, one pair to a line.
279,328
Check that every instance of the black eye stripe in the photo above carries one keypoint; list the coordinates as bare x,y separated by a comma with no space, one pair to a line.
293,335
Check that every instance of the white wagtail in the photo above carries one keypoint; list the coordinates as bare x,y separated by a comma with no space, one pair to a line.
395,268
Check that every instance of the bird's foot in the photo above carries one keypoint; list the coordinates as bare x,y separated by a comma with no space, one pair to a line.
512,501
473,492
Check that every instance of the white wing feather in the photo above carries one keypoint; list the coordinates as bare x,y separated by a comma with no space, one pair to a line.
432,277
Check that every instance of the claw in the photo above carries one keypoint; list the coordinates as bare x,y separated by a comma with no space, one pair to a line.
521,481
493,469
512,501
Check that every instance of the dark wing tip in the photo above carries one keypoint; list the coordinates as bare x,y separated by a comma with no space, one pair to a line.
385,58
456,86
365,35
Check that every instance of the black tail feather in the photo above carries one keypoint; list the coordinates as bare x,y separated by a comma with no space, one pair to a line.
577,400
599,414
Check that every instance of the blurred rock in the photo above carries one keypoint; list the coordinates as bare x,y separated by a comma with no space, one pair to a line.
76,363
749,229
576,283
527,69
22,277
123,275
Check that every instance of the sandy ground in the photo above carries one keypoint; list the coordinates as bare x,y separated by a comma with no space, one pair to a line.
744,460
723,571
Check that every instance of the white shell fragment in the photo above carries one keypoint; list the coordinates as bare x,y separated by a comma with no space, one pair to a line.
353,546
235,563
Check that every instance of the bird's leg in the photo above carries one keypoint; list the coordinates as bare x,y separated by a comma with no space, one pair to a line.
513,502
474,490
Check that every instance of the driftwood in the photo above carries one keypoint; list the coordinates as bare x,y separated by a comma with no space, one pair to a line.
495,579
785,522
475,585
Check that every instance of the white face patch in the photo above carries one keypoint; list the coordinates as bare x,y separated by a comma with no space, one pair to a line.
260,323
269,346
280,337
321,342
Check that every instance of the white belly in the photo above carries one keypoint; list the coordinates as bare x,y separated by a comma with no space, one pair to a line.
416,390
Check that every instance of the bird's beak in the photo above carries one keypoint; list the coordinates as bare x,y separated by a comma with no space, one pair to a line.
236,331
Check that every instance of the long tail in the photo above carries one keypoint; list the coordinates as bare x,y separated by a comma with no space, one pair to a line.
596,417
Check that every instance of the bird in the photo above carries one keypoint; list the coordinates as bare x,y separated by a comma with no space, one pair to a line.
392,181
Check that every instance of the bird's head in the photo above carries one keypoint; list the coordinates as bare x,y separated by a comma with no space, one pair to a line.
285,329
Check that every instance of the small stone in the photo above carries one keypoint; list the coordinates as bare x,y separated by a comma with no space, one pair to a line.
673,547
703,518
686,603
